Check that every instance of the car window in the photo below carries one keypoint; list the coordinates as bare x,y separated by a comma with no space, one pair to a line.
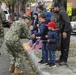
5,12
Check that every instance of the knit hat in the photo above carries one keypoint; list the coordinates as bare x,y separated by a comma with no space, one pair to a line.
51,24
55,4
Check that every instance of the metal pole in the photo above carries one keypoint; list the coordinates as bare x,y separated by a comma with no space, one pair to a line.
17,8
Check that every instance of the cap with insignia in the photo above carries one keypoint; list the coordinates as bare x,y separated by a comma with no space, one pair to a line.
26,16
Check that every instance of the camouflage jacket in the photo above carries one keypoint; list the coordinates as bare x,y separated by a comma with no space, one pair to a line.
2,19
18,29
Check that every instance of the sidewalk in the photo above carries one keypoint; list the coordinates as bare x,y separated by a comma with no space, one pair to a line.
42,69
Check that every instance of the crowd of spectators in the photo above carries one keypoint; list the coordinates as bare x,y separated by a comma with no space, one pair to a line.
40,17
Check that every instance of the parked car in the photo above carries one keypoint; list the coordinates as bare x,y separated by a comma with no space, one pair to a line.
73,24
7,23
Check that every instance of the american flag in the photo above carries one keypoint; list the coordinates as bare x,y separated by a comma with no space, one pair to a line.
36,45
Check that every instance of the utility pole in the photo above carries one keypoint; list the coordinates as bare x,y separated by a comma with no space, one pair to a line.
17,9
13,9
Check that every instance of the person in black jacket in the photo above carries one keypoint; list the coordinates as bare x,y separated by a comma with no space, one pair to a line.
65,31
42,33
33,31
35,21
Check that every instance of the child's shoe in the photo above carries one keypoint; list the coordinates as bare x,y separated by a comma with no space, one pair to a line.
52,65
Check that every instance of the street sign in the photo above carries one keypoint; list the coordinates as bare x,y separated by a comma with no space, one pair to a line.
48,5
69,9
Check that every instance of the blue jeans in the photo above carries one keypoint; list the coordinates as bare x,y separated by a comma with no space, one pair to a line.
52,56
44,52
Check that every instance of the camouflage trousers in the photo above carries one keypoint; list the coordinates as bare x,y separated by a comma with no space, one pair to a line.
1,35
15,49
1,41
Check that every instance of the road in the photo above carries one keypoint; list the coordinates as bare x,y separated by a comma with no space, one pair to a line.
4,58
73,38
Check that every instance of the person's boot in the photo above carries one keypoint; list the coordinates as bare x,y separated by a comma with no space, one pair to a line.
18,71
0,53
63,63
11,68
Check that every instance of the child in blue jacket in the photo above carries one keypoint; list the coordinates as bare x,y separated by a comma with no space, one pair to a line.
33,31
42,33
52,39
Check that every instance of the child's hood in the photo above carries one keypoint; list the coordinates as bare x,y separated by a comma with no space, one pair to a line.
56,30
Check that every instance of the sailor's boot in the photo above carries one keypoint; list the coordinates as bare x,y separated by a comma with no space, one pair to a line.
11,68
18,71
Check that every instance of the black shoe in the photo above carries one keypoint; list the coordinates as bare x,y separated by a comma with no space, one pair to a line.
48,63
58,61
39,48
52,65
0,53
63,63
42,62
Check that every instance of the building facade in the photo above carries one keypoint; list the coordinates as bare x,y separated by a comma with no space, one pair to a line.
73,3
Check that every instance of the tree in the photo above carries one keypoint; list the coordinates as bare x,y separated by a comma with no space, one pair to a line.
18,4
62,3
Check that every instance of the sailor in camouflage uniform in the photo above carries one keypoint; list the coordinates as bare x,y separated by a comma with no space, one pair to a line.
12,40
2,19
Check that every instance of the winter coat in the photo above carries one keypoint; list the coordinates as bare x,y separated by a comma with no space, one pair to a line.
53,37
64,21
43,31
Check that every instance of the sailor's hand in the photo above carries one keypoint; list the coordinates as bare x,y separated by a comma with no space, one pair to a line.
33,35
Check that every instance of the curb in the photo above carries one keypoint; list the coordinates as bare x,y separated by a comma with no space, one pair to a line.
35,60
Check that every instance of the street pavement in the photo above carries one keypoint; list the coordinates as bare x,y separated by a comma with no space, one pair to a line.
5,62
35,57
43,69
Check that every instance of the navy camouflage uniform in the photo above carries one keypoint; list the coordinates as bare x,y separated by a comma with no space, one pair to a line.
12,40
2,19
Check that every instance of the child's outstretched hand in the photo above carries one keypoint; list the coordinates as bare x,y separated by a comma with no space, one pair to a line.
48,40
46,36
38,38
38,25
33,35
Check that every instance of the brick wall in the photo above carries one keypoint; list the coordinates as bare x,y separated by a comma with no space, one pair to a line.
73,3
